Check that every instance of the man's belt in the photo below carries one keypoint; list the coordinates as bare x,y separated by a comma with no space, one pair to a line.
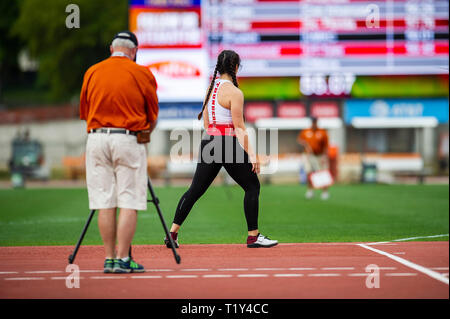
113,131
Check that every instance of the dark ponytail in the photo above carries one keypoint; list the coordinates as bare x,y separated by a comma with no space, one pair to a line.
227,61
232,72
209,93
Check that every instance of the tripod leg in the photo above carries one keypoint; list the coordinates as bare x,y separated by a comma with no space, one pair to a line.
80,240
155,201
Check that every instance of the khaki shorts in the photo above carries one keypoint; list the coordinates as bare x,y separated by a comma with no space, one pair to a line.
313,162
116,171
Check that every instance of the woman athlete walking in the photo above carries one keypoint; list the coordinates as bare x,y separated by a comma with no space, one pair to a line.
225,144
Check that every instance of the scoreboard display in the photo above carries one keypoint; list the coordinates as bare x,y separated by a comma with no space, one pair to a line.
172,45
359,37
326,43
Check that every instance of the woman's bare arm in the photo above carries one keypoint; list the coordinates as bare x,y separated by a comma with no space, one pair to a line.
205,112
205,118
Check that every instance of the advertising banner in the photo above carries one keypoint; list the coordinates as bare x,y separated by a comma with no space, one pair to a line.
171,46
181,74
291,110
397,108
257,110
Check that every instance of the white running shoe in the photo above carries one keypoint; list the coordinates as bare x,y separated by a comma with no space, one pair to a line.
261,241
309,194
325,195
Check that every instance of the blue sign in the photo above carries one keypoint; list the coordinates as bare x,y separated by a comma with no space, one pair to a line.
179,110
165,3
397,108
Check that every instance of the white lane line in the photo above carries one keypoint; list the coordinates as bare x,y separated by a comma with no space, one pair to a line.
304,268
385,244
406,239
208,269
284,275
43,272
400,274
107,277
26,278
232,269
338,268
426,271
269,269
399,253
8,272
217,276
439,268
326,244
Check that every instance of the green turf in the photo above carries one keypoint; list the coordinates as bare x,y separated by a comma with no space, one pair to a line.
353,213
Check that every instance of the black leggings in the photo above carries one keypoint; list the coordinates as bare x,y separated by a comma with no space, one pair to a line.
215,152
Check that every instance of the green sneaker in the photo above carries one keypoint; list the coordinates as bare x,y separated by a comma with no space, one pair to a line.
108,266
121,266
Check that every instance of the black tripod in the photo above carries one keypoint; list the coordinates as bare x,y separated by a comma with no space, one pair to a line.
155,201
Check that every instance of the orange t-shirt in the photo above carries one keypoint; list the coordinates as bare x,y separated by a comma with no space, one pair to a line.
316,139
118,93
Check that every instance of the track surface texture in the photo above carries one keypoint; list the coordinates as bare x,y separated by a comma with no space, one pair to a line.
287,271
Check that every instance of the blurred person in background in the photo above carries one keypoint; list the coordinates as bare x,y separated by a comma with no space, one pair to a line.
315,142
27,159
443,153
119,103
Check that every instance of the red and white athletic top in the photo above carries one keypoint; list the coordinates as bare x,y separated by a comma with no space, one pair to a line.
220,121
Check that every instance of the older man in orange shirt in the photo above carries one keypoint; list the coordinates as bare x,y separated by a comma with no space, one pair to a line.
119,103
315,141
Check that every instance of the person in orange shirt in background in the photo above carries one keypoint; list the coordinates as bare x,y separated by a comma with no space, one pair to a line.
315,141
119,103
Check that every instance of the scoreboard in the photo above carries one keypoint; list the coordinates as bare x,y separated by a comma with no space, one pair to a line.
172,45
358,37
326,43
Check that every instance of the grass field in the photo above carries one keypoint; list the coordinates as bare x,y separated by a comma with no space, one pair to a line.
353,213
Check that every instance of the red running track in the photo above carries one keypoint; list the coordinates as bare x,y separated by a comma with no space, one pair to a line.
287,271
